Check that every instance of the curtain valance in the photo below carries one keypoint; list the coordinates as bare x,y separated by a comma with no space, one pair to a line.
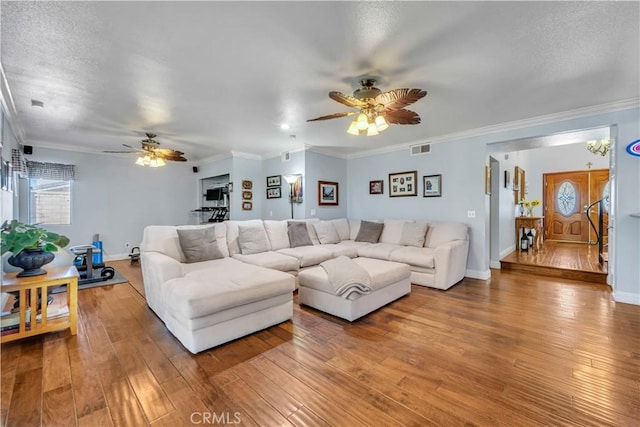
43,170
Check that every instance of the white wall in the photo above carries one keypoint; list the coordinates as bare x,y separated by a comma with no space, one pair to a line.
245,169
8,199
115,198
278,209
321,167
461,164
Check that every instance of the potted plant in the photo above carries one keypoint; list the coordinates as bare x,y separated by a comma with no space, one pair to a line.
31,246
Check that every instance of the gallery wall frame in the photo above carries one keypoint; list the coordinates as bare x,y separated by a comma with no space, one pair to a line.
274,181
274,193
403,184
432,185
376,187
328,193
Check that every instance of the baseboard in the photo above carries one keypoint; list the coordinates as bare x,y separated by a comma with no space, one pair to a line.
116,257
626,297
507,251
494,264
478,274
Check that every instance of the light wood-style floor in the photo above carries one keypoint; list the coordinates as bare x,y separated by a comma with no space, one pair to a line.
559,259
517,350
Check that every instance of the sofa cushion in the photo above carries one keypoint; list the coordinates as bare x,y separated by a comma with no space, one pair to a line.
419,257
298,234
392,231
233,233
252,239
308,255
326,232
277,234
413,234
378,250
198,294
443,232
342,227
310,228
164,239
354,228
270,259
369,232
338,249
199,244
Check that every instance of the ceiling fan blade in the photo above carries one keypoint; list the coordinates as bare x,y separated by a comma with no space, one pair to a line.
347,100
168,152
118,152
399,98
133,148
333,116
402,117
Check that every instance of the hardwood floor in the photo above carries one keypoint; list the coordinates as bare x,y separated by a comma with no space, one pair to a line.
559,259
517,350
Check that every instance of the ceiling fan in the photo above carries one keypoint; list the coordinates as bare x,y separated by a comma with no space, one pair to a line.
151,154
377,109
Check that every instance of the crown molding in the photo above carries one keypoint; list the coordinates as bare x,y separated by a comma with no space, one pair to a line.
577,113
274,154
244,155
327,151
215,158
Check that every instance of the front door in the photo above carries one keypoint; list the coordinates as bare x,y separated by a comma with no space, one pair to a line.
566,198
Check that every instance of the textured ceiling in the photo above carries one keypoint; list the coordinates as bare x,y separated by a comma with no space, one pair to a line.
212,77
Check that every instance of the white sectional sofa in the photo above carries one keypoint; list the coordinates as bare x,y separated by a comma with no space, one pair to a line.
249,284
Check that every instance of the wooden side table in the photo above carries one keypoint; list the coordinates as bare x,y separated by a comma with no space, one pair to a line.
31,289
533,222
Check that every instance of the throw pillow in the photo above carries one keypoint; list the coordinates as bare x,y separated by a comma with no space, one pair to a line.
413,234
199,244
252,239
326,232
298,234
369,232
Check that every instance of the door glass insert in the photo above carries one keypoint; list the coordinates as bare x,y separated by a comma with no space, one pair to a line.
566,198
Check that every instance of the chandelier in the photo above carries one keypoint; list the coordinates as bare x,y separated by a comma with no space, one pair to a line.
369,121
151,160
599,146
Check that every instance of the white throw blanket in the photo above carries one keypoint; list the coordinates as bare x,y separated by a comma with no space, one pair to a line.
347,278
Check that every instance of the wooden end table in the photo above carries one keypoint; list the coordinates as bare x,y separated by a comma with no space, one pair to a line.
532,222
31,289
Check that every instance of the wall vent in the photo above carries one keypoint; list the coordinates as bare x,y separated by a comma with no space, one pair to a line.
416,150
286,156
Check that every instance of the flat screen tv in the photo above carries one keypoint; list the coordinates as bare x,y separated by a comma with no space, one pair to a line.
214,194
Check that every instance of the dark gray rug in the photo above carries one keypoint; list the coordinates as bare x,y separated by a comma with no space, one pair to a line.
117,279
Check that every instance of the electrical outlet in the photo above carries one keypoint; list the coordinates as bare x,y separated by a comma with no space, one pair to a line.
471,214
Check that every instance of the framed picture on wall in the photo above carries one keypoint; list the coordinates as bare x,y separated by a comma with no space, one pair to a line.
376,187
247,206
432,185
403,184
247,185
247,195
327,193
274,193
274,181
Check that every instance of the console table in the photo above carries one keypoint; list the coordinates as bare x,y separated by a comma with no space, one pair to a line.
33,293
532,222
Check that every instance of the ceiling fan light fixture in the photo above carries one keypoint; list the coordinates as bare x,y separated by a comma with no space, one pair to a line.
381,123
353,128
372,130
600,146
363,121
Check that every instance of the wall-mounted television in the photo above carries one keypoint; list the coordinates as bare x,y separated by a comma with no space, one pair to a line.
214,194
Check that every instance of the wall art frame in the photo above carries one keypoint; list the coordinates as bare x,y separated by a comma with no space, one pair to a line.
274,193
432,185
376,187
274,181
403,184
328,193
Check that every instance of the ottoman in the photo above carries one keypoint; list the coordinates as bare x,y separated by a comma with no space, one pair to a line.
389,281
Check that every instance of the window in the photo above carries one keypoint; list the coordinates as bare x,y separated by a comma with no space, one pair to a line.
49,201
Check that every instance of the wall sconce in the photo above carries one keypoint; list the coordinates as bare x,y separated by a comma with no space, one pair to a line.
599,146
